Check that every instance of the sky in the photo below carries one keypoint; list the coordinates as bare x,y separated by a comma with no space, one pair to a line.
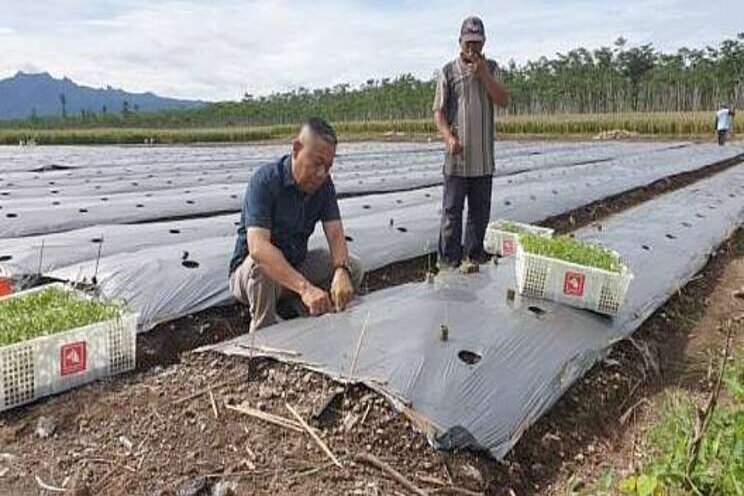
221,49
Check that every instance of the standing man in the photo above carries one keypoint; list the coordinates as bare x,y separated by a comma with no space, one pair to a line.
283,202
723,123
463,112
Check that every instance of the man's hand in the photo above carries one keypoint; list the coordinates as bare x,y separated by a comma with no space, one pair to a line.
342,290
480,70
316,300
453,145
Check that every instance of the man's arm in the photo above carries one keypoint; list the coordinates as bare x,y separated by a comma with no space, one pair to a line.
342,288
272,261
441,95
334,231
496,91
451,141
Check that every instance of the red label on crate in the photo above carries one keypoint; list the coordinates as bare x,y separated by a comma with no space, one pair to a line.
507,246
72,358
573,284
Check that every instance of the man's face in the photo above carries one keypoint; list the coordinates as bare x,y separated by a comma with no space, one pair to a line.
471,47
313,161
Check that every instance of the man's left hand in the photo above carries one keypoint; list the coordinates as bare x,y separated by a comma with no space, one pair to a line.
342,290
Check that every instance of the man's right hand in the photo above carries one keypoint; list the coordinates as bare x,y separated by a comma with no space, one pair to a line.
453,145
316,300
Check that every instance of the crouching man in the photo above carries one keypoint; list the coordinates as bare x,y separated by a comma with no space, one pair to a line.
283,202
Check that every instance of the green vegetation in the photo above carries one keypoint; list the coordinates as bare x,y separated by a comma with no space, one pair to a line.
657,125
579,92
571,250
510,227
49,311
719,467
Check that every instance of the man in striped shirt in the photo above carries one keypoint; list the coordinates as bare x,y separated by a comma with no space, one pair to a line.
463,109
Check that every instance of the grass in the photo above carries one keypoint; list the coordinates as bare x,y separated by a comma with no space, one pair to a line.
47,312
571,250
720,466
646,124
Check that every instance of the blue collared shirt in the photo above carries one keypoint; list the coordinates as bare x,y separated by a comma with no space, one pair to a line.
274,202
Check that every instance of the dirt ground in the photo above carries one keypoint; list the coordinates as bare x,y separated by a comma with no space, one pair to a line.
145,434
149,432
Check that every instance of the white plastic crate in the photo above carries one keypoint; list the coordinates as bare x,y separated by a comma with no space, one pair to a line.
576,285
47,365
503,243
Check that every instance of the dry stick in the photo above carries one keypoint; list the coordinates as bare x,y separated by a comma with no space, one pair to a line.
206,390
710,409
456,490
41,257
267,417
352,368
314,470
268,350
372,460
110,462
98,260
47,487
214,405
313,435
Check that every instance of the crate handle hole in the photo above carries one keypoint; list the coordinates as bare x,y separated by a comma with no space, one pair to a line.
645,247
190,264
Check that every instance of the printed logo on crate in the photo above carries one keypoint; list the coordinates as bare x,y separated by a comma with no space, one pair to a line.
73,358
507,246
573,284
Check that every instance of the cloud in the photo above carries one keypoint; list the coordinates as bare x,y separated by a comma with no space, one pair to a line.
220,49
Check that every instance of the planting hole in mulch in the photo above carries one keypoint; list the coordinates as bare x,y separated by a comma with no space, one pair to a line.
190,264
537,311
349,239
174,231
469,357
402,229
6,258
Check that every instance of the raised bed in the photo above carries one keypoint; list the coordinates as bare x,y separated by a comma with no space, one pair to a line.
502,236
54,338
573,273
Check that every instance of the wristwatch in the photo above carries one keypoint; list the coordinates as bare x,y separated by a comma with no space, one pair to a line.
344,266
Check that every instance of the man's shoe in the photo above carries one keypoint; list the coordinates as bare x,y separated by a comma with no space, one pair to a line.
469,267
444,265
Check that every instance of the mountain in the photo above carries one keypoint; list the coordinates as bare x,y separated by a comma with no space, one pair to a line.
24,95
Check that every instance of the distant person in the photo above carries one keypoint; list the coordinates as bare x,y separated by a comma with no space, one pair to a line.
284,201
724,118
463,112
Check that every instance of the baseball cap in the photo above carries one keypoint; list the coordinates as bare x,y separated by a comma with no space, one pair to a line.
472,30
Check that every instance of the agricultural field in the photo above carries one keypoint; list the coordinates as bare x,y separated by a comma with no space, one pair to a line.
523,396
681,125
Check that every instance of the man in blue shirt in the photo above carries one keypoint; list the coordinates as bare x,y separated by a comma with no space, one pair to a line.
282,204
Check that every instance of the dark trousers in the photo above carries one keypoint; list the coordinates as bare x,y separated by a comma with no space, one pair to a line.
477,190
722,135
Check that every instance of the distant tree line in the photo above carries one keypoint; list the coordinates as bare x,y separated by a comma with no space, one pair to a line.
620,78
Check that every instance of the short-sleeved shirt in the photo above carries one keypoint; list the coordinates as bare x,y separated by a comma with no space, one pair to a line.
723,119
469,113
273,201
